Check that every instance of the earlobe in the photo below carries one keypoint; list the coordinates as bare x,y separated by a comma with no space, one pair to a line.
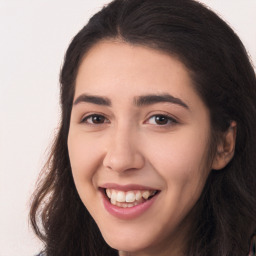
225,148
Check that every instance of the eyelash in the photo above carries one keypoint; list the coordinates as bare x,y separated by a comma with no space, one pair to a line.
86,118
168,120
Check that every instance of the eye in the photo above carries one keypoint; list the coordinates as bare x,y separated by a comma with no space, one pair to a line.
161,120
95,119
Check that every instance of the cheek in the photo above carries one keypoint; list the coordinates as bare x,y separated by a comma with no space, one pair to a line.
181,162
85,159
84,156
181,158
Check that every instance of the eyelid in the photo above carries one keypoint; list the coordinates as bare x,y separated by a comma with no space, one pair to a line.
171,118
89,115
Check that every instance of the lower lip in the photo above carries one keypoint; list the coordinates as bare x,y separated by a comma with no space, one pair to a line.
128,213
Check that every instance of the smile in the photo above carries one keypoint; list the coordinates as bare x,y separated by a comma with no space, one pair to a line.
130,198
128,202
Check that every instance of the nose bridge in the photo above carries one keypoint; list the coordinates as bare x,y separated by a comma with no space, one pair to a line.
123,151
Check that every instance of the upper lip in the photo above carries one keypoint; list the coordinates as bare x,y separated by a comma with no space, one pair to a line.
127,187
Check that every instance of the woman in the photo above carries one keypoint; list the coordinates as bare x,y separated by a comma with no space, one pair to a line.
156,150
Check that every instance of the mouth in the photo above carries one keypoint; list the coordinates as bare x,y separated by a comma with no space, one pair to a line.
128,199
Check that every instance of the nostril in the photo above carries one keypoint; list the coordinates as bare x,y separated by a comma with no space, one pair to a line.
123,157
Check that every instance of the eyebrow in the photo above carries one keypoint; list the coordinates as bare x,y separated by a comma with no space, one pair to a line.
139,101
98,100
153,99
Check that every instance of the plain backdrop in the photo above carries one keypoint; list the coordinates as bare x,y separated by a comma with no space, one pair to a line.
34,35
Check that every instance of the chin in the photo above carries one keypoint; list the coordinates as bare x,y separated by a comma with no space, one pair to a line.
131,245
128,242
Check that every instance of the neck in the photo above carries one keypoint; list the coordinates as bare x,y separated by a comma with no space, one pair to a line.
165,253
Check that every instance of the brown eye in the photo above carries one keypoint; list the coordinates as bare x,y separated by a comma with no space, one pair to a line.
94,119
161,120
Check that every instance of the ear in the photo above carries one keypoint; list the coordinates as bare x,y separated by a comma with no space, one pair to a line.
225,148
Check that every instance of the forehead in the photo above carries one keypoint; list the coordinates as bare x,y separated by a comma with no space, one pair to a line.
111,57
118,68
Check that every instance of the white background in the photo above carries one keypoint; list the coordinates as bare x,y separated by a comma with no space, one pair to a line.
34,35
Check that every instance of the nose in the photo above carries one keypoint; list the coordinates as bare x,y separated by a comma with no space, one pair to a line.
123,152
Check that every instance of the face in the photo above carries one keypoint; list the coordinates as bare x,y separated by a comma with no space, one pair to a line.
138,146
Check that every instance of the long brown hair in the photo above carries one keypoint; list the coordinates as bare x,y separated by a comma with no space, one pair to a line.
224,78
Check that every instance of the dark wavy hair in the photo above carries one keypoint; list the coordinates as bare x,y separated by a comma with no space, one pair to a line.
225,80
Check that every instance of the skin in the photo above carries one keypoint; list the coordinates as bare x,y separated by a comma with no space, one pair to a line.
127,144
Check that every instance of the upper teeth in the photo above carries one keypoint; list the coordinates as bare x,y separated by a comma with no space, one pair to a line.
130,196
